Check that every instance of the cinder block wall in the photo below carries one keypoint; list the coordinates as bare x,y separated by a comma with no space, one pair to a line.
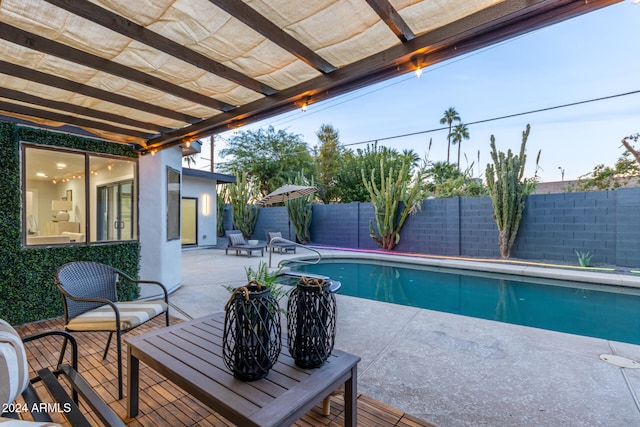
553,227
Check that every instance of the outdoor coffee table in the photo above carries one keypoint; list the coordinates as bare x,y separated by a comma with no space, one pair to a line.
190,355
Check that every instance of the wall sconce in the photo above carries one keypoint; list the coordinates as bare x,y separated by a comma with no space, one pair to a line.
205,205
62,206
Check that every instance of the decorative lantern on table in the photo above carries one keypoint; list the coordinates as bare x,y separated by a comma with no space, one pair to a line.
311,314
252,334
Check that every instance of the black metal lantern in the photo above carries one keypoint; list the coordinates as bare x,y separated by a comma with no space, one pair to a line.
311,314
252,334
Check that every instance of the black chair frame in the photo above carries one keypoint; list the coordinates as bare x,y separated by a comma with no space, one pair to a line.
79,387
109,300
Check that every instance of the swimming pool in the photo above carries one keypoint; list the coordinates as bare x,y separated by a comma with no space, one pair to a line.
609,312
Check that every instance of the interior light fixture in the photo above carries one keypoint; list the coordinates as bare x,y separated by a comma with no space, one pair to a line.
60,165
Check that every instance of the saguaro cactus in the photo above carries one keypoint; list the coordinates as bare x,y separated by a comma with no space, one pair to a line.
300,210
508,190
241,196
394,189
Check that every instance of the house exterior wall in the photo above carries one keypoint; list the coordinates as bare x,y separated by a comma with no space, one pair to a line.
205,191
160,259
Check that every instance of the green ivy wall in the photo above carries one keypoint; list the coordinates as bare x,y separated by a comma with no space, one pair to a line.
27,289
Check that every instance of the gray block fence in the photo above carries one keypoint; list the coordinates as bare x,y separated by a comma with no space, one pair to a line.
553,227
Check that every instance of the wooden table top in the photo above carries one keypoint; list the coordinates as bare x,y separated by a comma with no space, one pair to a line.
190,355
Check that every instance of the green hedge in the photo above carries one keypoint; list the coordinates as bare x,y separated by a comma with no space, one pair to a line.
27,290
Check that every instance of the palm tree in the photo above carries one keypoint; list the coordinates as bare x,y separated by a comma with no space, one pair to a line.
450,116
459,133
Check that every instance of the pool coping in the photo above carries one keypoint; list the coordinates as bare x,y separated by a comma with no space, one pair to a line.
571,273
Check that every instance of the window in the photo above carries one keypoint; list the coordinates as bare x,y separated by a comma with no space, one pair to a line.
75,197
173,204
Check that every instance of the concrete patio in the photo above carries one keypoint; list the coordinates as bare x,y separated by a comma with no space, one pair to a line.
453,370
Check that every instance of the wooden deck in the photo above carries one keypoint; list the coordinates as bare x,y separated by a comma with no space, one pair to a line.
164,404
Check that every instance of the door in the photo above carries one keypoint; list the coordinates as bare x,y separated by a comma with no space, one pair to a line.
115,211
189,221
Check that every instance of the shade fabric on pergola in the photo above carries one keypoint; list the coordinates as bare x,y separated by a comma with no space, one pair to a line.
165,72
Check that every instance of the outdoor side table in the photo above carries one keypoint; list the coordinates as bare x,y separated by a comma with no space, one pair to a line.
190,355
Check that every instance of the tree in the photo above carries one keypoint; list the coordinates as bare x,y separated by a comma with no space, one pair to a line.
349,185
190,160
458,134
609,178
630,148
450,116
222,196
272,157
394,190
445,180
508,189
300,210
439,172
328,155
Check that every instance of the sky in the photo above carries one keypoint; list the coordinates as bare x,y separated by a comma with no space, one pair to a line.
592,56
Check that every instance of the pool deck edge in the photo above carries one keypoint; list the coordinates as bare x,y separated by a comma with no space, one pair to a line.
575,274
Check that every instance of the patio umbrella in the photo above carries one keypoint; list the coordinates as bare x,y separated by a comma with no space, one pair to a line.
284,194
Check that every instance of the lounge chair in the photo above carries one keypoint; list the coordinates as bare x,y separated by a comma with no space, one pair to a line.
279,246
238,243
14,381
89,296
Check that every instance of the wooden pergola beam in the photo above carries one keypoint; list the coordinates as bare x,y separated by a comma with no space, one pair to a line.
77,109
124,26
254,20
33,41
70,120
93,92
489,26
392,18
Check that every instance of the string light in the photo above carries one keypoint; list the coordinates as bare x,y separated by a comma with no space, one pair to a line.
305,104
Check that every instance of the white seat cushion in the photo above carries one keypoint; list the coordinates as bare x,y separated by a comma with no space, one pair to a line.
103,318
14,371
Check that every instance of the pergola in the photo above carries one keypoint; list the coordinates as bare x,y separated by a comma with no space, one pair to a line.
166,72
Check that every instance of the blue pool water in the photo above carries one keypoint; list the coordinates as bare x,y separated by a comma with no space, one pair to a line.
599,311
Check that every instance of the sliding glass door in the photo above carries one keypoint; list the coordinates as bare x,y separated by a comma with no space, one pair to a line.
115,211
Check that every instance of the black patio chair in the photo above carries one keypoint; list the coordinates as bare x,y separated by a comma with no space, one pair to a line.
90,298
278,245
15,381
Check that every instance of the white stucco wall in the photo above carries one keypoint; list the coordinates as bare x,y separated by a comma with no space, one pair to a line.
205,191
160,259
